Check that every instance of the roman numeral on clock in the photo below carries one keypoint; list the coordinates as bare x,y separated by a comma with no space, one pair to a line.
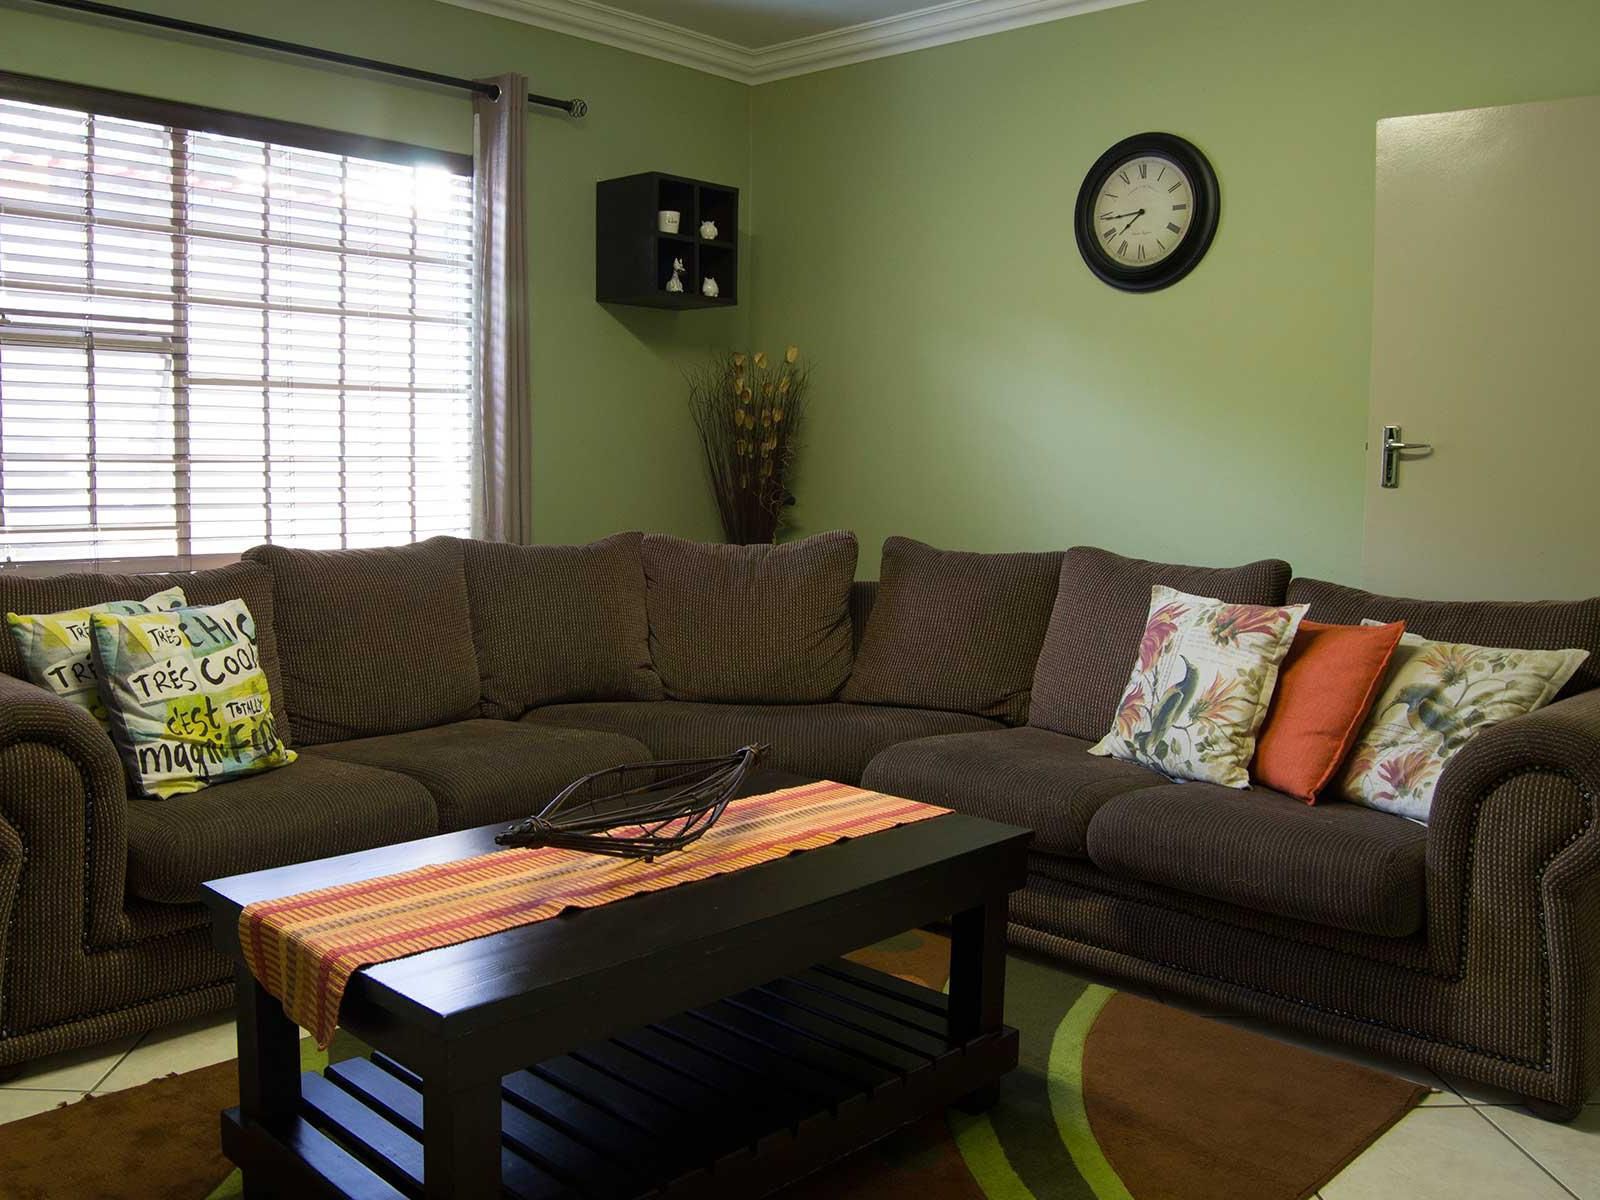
1173,228
1122,250
1144,170
1175,186
1125,177
1179,207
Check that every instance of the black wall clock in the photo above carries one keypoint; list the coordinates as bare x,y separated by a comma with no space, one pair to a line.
1147,212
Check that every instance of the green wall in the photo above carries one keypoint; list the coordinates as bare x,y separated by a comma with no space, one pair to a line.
909,220
979,388
613,444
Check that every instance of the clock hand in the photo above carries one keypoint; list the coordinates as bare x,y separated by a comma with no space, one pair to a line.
1129,225
1119,216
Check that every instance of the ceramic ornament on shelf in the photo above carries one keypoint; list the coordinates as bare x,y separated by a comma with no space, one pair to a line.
668,220
709,288
675,284
708,230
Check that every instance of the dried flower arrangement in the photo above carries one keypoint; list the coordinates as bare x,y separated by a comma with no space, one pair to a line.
748,410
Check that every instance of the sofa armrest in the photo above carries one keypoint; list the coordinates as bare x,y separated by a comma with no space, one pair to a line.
63,822
1515,823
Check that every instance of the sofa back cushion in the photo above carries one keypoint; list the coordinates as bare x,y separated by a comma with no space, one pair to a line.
955,630
559,624
751,624
1099,615
1515,624
245,581
373,641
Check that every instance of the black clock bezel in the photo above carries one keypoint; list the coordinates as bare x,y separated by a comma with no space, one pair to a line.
1203,229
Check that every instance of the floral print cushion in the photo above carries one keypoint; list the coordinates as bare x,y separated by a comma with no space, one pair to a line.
1200,686
1436,697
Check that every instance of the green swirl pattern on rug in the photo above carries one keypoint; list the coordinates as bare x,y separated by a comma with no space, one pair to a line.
1115,1098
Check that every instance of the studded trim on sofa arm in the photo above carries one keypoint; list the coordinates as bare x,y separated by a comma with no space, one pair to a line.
63,840
1513,812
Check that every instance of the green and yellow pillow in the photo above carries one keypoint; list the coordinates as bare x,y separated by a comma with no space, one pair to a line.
56,647
188,700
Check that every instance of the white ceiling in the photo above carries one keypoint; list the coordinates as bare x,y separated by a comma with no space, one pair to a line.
755,41
757,24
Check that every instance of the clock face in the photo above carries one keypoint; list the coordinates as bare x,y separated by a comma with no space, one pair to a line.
1147,212
1143,211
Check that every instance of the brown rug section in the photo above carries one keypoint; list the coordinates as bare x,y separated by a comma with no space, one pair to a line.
1190,1109
158,1141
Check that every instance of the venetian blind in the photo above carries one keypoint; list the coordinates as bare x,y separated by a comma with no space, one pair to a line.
208,342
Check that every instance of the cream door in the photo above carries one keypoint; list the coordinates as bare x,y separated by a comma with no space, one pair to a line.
1486,344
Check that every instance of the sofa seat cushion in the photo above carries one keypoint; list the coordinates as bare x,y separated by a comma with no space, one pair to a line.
824,741
1025,776
313,808
481,771
1336,864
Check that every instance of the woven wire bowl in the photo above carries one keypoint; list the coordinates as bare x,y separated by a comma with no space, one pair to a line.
639,810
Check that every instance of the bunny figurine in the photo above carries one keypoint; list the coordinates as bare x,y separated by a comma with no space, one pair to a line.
675,284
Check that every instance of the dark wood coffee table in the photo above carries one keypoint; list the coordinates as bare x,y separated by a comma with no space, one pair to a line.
705,1041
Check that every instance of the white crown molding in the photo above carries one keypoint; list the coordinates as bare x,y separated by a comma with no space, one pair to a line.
953,21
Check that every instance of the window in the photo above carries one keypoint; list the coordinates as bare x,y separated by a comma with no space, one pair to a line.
210,340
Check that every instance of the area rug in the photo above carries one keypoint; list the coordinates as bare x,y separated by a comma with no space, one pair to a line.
1117,1098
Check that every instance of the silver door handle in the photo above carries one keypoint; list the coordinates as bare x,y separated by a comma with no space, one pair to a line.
1389,458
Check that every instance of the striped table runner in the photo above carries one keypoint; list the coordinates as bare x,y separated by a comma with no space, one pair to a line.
304,948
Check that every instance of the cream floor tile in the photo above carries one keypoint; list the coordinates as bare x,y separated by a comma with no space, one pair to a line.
1443,1096
16,1103
75,1070
187,1046
1569,1152
1444,1154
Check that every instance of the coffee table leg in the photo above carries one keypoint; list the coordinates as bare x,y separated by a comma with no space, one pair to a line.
269,1056
978,982
461,1141
269,1066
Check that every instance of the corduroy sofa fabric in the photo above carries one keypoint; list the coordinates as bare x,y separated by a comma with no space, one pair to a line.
556,624
955,630
1046,781
245,581
751,624
827,741
1521,625
483,770
1340,864
1100,610
373,641
313,808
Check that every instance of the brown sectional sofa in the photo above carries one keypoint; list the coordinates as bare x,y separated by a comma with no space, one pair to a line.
451,684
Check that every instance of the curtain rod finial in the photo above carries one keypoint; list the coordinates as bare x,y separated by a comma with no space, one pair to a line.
578,108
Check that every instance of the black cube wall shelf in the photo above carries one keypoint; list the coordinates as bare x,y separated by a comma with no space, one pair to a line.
633,257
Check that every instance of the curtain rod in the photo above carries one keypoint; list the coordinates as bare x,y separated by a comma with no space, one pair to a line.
573,108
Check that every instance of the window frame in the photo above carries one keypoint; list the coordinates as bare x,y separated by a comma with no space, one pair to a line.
186,117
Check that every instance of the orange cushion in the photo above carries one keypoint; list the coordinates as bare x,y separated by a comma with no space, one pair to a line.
1325,687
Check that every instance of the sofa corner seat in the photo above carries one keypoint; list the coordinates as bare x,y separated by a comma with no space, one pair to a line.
830,740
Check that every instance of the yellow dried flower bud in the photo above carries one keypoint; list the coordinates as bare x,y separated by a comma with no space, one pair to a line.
792,353
777,415
738,360
783,386
761,360
746,395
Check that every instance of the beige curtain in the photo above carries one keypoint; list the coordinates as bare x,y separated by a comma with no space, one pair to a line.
503,510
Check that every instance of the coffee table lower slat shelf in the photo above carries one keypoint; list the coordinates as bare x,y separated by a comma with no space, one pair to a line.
732,1100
